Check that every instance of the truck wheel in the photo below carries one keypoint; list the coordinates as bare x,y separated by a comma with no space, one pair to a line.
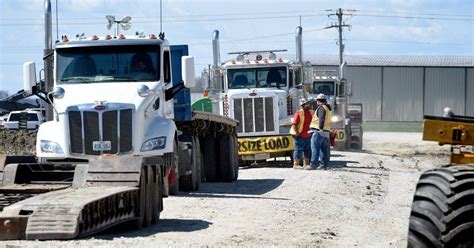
225,158
157,193
174,163
141,200
192,181
442,213
209,158
150,197
198,164
235,156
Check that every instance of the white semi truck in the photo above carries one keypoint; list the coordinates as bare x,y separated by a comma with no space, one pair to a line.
346,122
123,135
261,90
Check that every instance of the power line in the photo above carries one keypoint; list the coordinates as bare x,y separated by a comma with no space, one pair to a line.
412,42
416,17
411,13
298,12
173,21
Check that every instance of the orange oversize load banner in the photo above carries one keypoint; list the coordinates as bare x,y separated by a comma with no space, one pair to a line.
268,144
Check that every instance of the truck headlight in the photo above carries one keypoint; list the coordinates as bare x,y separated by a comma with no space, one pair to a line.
154,144
336,118
50,147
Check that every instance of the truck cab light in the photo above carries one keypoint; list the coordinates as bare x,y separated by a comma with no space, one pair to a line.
65,39
108,37
122,37
152,36
94,37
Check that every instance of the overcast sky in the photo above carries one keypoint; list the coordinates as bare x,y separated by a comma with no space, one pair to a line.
414,27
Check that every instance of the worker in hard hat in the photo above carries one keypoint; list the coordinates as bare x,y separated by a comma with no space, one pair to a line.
301,137
321,130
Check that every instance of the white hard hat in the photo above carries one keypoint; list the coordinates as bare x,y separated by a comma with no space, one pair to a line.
303,101
321,96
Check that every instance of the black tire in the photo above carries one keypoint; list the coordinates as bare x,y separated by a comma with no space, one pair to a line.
209,158
150,197
192,181
442,213
157,193
174,163
235,156
225,158
141,201
198,157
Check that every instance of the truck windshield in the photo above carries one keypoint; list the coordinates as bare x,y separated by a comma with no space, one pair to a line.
108,64
29,116
256,77
325,87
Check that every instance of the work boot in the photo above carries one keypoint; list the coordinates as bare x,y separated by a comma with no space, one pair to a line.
305,161
296,164
309,167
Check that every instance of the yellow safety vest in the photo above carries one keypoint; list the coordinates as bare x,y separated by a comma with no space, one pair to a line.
327,119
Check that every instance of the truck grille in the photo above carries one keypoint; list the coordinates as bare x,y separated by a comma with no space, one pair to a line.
88,126
254,114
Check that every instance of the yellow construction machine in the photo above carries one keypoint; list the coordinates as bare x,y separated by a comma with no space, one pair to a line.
442,213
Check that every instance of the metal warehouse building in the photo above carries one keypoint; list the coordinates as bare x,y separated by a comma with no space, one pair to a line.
404,88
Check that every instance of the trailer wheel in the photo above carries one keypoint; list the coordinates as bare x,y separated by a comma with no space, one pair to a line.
192,181
442,213
140,206
174,177
225,158
209,158
235,156
150,196
198,164
157,193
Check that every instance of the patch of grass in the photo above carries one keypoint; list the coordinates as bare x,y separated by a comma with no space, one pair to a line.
392,126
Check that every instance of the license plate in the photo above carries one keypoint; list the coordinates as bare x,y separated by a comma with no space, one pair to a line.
259,156
102,145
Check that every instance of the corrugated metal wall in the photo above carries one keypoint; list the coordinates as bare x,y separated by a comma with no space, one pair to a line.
367,89
470,92
407,93
444,87
402,98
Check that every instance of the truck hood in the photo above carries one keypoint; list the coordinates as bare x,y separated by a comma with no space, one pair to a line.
76,94
259,92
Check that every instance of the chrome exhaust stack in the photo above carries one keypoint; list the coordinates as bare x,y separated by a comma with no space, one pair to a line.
48,58
216,54
299,45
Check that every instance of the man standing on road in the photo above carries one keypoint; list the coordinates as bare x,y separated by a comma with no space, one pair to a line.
321,129
302,138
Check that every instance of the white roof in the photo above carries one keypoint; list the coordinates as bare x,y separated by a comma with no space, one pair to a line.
392,60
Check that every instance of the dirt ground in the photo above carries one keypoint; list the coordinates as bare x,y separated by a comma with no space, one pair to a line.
363,200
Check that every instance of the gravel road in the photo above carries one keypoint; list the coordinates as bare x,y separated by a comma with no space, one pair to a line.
363,200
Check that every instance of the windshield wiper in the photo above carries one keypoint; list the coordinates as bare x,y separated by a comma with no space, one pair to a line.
121,79
81,79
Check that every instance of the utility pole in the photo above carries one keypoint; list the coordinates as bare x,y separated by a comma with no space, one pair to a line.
340,25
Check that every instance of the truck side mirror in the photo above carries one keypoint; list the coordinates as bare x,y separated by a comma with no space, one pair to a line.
188,71
29,77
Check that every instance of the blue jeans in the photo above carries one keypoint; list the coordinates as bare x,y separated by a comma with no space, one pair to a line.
302,147
319,146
